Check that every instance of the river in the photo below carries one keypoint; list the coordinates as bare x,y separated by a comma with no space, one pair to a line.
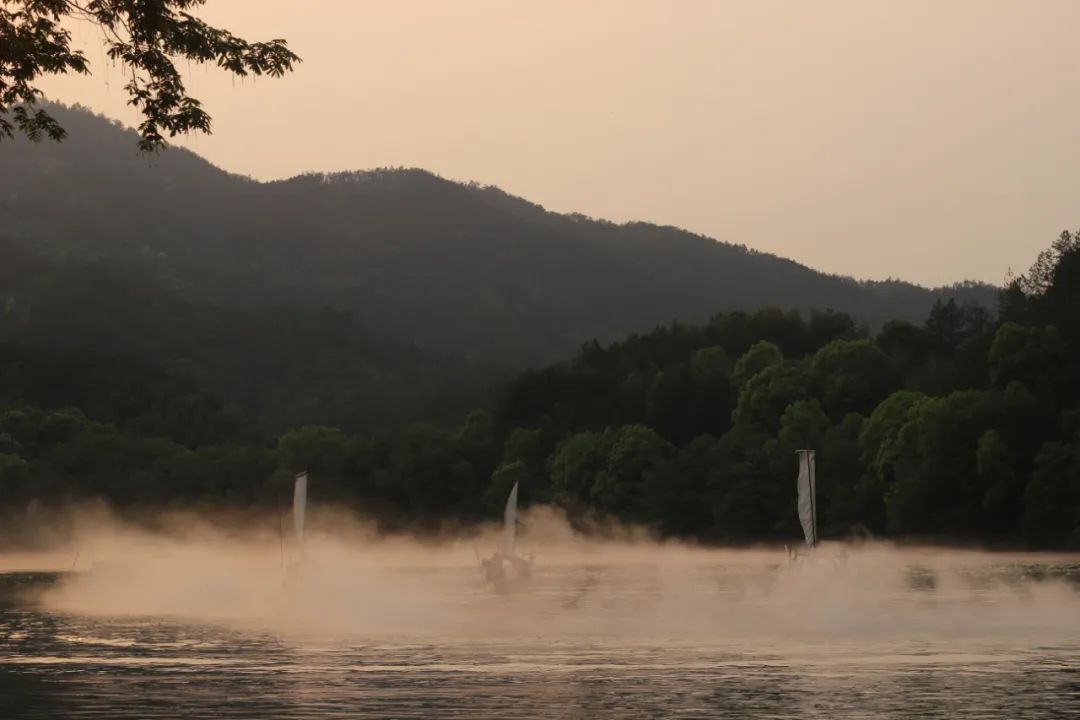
638,637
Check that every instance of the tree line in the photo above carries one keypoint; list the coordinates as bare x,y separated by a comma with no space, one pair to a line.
966,426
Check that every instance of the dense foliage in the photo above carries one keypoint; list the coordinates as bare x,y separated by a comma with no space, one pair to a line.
146,37
124,351
181,335
434,265
966,426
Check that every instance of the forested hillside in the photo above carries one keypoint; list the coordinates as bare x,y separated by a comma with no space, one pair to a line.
965,426
164,324
430,264
113,343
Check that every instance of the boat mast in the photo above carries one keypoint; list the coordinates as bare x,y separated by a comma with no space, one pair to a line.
300,508
813,493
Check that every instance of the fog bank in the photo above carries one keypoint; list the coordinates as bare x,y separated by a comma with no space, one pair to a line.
349,582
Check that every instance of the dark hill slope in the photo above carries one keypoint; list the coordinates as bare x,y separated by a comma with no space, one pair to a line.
434,264
124,350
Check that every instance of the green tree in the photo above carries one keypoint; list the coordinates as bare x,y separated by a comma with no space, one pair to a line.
676,493
525,445
1052,497
14,479
1003,486
428,477
851,376
742,503
803,425
475,441
766,395
906,343
945,325
320,450
146,37
671,405
576,462
879,434
760,356
710,371
1047,270
937,488
62,426
1034,356
18,427
634,453
524,458
237,474
852,500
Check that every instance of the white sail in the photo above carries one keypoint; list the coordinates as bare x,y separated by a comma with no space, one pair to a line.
300,505
807,496
510,523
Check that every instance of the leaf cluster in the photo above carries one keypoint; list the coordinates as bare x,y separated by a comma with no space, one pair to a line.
147,37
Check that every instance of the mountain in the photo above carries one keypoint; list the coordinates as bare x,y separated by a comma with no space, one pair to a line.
105,339
428,264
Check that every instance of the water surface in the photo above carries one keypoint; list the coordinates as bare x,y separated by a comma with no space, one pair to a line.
637,640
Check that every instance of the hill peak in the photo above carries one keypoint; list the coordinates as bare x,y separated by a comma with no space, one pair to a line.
460,267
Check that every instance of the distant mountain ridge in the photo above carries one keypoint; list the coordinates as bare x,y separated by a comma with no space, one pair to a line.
433,264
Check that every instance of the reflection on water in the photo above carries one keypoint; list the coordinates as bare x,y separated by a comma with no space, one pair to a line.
1001,644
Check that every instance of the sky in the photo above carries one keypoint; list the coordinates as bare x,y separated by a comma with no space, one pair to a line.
929,140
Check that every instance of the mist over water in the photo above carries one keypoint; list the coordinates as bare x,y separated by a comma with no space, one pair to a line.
616,626
347,579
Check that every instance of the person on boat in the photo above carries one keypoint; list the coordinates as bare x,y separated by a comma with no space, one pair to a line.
494,572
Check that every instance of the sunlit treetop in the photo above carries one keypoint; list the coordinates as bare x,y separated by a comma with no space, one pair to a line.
146,36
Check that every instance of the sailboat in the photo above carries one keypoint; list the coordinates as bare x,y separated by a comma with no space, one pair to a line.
807,502
300,506
506,568
510,523
299,513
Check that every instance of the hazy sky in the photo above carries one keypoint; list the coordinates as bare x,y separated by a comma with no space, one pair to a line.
930,140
